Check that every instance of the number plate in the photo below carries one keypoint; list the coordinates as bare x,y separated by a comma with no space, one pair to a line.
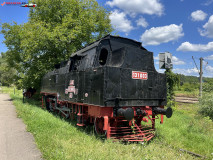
71,88
139,75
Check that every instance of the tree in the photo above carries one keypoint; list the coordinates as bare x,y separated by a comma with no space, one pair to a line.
7,74
55,30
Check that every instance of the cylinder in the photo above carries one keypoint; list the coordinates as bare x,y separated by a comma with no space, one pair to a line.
128,113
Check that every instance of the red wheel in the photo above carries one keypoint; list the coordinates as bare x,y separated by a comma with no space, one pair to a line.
99,125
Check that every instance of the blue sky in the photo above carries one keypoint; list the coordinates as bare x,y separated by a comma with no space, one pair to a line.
181,27
10,13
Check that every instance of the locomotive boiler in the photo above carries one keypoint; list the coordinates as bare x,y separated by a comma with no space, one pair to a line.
111,84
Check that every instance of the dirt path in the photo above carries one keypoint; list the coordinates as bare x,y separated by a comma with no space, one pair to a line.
15,142
186,99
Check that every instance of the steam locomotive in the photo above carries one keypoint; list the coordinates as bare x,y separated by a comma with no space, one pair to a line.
111,84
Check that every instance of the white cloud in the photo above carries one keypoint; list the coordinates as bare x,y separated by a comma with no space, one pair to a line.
208,2
164,34
209,57
142,22
190,71
198,15
120,22
160,70
209,69
187,46
208,28
156,58
138,6
177,61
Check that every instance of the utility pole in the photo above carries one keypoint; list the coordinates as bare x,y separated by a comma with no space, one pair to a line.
201,76
200,73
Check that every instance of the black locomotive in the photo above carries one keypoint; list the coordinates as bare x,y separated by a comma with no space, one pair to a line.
111,83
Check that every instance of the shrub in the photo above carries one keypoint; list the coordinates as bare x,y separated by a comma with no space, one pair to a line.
206,105
208,86
172,81
190,87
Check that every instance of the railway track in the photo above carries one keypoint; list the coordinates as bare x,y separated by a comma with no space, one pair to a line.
186,99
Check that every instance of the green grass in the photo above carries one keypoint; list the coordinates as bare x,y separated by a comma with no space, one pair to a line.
188,130
187,89
59,139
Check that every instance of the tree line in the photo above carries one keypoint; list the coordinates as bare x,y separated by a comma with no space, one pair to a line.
54,30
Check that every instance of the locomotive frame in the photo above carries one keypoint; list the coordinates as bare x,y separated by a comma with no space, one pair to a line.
111,84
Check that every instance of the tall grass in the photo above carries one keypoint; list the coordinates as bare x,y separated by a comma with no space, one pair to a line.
59,139
187,89
206,105
188,132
